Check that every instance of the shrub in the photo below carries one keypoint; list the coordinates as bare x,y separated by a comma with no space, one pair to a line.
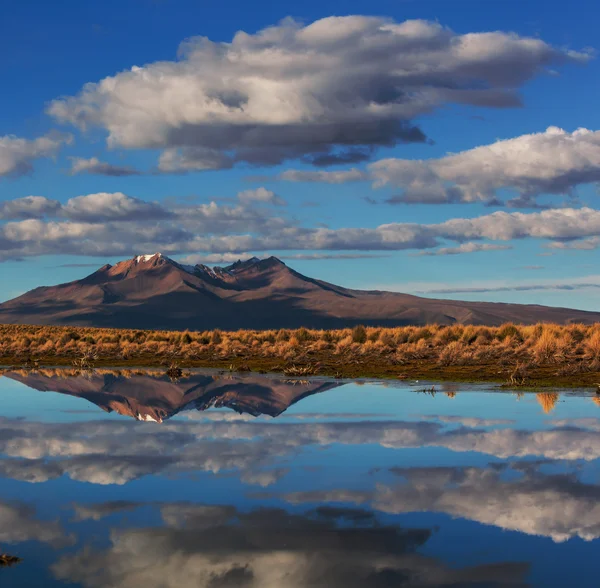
509,330
302,335
359,334
283,335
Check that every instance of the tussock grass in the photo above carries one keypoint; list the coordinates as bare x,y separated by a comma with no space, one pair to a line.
512,353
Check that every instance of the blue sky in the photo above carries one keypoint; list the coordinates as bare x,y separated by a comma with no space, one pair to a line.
156,135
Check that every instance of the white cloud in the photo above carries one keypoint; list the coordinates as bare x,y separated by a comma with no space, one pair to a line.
328,177
260,195
94,166
327,93
104,206
29,207
552,162
131,225
568,284
581,245
466,248
17,155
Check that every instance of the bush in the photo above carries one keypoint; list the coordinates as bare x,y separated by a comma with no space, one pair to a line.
359,334
508,330
302,335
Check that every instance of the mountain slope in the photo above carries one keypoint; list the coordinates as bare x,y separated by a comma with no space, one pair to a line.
155,292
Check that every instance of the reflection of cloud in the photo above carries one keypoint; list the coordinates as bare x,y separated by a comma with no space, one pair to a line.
17,524
95,512
471,422
556,506
583,423
218,546
111,452
263,478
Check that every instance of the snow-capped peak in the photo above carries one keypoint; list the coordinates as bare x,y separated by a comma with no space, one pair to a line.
147,257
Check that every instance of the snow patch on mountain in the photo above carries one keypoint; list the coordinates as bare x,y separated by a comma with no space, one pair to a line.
147,257
147,418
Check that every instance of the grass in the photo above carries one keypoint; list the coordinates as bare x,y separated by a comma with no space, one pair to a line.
532,356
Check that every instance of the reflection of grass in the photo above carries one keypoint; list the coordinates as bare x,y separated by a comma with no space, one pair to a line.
529,356
547,400
6,561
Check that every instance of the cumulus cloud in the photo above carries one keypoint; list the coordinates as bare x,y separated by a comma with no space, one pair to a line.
580,245
191,159
17,155
326,93
93,166
552,162
29,207
260,195
209,229
558,223
104,206
466,248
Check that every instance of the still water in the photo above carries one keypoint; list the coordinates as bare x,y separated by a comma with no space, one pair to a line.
123,480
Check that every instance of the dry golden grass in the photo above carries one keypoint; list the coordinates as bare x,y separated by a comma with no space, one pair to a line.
568,351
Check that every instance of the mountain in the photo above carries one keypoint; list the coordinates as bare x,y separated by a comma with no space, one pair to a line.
155,292
151,397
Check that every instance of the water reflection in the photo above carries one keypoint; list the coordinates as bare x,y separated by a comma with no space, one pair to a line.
211,546
349,486
7,561
156,397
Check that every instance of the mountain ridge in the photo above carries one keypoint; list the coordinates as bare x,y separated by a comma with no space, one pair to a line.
155,292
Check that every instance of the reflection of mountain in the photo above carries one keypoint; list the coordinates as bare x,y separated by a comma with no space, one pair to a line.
150,397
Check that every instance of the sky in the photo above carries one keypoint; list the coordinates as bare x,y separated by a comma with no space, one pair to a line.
447,148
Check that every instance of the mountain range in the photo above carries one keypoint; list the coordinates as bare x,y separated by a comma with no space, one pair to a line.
156,292
152,397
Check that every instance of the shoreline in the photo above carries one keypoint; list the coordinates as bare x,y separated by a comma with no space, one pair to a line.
541,377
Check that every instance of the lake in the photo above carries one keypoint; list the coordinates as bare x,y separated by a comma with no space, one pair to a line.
217,480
